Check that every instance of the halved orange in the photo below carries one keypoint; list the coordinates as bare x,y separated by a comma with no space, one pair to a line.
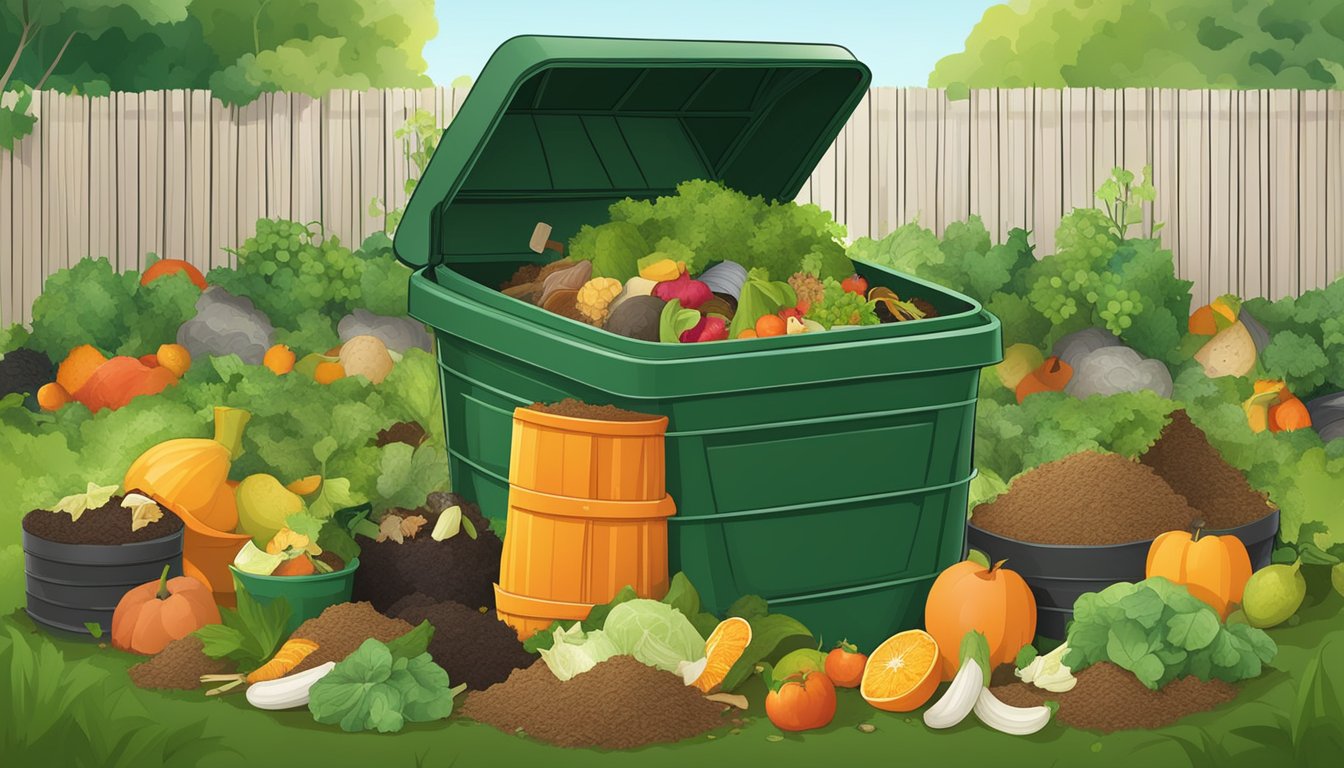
902,673
722,650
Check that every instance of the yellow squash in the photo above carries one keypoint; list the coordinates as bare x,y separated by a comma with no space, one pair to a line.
187,474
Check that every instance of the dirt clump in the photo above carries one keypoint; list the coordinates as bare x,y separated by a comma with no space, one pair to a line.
1086,499
342,628
408,432
618,704
461,569
472,647
1194,469
108,524
178,666
577,409
1108,698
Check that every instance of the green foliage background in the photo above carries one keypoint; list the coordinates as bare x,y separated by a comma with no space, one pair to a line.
1152,43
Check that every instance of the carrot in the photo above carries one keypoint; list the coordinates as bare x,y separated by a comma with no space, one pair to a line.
290,655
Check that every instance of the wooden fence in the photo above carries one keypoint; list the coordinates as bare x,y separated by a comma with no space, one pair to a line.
1250,183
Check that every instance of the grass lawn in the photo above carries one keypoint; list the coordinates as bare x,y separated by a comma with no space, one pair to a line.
243,736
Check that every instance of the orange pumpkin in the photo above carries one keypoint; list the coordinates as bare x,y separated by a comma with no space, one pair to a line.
185,475
1051,376
153,615
993,601
172,266
114,383
1214,569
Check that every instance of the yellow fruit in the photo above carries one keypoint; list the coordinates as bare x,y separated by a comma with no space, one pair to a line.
280,359
722,650
78,366
52,396
175,358
325,373
902,673
1018,361
263,505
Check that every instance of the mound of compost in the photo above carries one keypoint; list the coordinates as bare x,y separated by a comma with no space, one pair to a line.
1107,698
577,409
1193,468
178,666
618,704
461,569
108,524
1086,499
342,628
472,647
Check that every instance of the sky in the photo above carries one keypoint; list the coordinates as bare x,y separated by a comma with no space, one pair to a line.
899,40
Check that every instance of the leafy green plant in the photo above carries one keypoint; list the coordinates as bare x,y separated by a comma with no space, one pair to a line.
1159,632
249,634
373,689
841,307
419,137
15,122
1124,196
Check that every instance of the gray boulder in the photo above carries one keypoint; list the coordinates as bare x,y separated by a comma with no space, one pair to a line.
1079,344
1111,370
1327,416
398,333
226,325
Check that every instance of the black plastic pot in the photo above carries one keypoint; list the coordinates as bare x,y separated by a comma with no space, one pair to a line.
1058,573
70,585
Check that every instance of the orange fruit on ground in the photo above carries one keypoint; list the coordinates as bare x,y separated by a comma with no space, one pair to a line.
902,673
325,373
722,650
52,396
280,359
171,266
78,366
174,357
305,485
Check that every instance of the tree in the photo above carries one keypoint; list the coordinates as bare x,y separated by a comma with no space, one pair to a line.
1161,43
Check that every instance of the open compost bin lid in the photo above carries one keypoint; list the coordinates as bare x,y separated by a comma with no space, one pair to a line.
558,128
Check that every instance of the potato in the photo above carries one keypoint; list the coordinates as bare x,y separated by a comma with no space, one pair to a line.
366,356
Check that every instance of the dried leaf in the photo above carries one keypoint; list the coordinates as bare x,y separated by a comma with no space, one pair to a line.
731,699
410,526
144,510
93,497
390,528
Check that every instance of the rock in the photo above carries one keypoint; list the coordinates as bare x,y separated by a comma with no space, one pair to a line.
637,318
226,325
1327,416
1111,370
1257,331
398,333
1077,345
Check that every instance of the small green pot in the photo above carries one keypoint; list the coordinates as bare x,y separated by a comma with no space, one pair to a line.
308,596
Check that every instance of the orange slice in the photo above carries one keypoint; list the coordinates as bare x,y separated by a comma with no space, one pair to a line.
305,486
902,673
722,650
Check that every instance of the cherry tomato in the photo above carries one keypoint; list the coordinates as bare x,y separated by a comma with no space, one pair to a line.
855,284
844,665
802,702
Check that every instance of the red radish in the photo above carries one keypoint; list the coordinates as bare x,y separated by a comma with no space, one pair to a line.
710,328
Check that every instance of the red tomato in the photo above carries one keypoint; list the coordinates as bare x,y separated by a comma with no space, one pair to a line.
803,702
791,312
855,284
844,665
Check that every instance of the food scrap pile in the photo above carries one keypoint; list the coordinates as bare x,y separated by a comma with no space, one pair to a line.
1183,458
178,666
654,273
496,649
108,521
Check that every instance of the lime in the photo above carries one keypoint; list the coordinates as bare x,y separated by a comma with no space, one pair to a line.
1274,593
801,660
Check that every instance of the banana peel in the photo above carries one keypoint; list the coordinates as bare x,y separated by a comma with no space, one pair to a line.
1257,407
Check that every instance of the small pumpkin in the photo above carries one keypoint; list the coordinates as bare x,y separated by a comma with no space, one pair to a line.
1051,376
186,474
991,600
1214,569
116,382
153,615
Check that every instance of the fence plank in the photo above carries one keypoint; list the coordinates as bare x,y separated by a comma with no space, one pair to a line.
11,310
1334,192
1283,172
1311,193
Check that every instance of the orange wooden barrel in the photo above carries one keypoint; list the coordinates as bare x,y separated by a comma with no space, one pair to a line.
588,458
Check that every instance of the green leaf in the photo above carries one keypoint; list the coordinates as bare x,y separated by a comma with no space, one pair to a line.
975,646
412,643
1025,656
250,633
1192,631
95,629
1127,645
682,595
749,607
675,321
597,617
978,557
767,634
324,448
371,690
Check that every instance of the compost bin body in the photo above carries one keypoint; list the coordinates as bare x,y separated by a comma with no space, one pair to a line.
827,472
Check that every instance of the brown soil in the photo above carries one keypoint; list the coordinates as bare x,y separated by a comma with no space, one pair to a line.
407,432
924,306
577,409
178,666
108,524
618,704
529,277
461,569
332,560
1086,499
525,274
1107,698
341,629
1183,457
472,647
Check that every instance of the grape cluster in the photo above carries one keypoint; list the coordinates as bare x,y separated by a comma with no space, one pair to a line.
287,268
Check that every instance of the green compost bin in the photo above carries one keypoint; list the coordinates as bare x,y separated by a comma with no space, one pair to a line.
826,472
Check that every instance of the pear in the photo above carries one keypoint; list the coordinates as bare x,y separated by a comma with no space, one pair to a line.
263,505
1273,594
1018,361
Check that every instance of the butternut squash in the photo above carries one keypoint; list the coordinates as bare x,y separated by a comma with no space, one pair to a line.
186,475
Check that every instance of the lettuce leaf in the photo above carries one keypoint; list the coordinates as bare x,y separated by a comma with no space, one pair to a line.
655,633
374,690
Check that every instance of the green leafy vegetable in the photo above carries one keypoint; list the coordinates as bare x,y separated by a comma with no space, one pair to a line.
683,596
1159,632
412,643
95,629
408,475
974,646
596,618
675,321
574,651
374,690
248,634
841,307
760,296
654,633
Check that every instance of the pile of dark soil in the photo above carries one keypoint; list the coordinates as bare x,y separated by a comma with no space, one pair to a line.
1108,698
1086,499
577,409
1183,457
618,704
108,524
178,666
408,432
472,647
461,569
342,628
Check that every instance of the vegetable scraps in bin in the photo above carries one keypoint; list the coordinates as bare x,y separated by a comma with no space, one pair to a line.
108,521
